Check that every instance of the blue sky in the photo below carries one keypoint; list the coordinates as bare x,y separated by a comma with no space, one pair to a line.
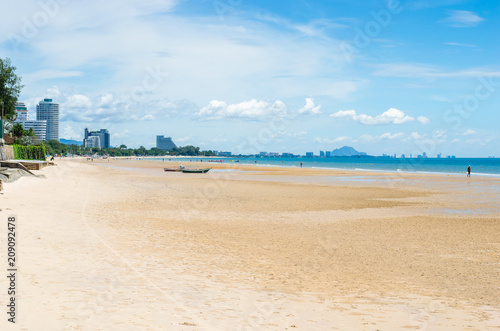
278,76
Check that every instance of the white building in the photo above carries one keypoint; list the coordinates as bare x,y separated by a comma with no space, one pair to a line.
40,127
49,111
22,112
93,141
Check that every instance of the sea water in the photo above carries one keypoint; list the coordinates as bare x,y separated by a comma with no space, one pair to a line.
479,166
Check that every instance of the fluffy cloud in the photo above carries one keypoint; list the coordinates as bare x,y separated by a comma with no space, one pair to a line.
110,107
310,108
252,109
106,108
422,119
462,19
391,116
69,131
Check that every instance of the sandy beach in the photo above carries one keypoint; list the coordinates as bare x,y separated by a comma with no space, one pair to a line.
123,245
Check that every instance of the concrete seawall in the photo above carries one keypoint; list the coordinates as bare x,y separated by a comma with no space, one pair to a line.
6,151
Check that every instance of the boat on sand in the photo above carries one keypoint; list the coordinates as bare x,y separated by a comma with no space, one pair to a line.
179,169
195,171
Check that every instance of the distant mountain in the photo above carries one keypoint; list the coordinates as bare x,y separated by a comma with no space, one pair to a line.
346,151
70,142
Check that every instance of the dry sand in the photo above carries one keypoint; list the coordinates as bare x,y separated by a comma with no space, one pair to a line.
122,245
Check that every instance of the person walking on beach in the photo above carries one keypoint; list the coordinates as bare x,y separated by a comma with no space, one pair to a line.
468,171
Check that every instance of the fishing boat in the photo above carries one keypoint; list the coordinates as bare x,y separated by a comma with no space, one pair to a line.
195,171
179,169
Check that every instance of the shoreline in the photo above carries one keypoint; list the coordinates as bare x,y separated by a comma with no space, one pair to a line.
217,165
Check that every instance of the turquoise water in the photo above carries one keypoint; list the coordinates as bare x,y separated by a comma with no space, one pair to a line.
479,166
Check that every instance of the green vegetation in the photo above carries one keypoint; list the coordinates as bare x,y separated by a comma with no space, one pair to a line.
54,147
29,152
10,87
22,136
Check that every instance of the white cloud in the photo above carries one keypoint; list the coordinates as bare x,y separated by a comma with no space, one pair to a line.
391,116
46,74
424,120
148,117
252,109
418,136
441,99
259,59
413,70
384,136
300,134
462,19
53,92
391,135
78,101
469,132
310,108
185,139
331,141
460,44
69,133
122,134
81,108
440,136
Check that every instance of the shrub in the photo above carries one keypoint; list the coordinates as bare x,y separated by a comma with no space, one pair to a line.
29,152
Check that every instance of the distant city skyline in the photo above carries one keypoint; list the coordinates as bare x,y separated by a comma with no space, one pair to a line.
381,76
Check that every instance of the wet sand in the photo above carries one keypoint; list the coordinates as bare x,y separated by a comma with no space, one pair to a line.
123,245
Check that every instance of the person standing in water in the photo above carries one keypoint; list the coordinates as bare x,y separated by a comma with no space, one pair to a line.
468,171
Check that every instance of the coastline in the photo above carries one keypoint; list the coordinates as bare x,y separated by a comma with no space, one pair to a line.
308,166
124,242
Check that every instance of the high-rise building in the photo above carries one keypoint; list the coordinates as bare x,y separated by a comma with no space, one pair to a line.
92,141
164,143
309,154
22,112
49,111
39,127
102,134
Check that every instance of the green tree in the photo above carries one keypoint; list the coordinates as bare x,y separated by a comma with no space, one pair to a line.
141,151
10,87
18,130
29,133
